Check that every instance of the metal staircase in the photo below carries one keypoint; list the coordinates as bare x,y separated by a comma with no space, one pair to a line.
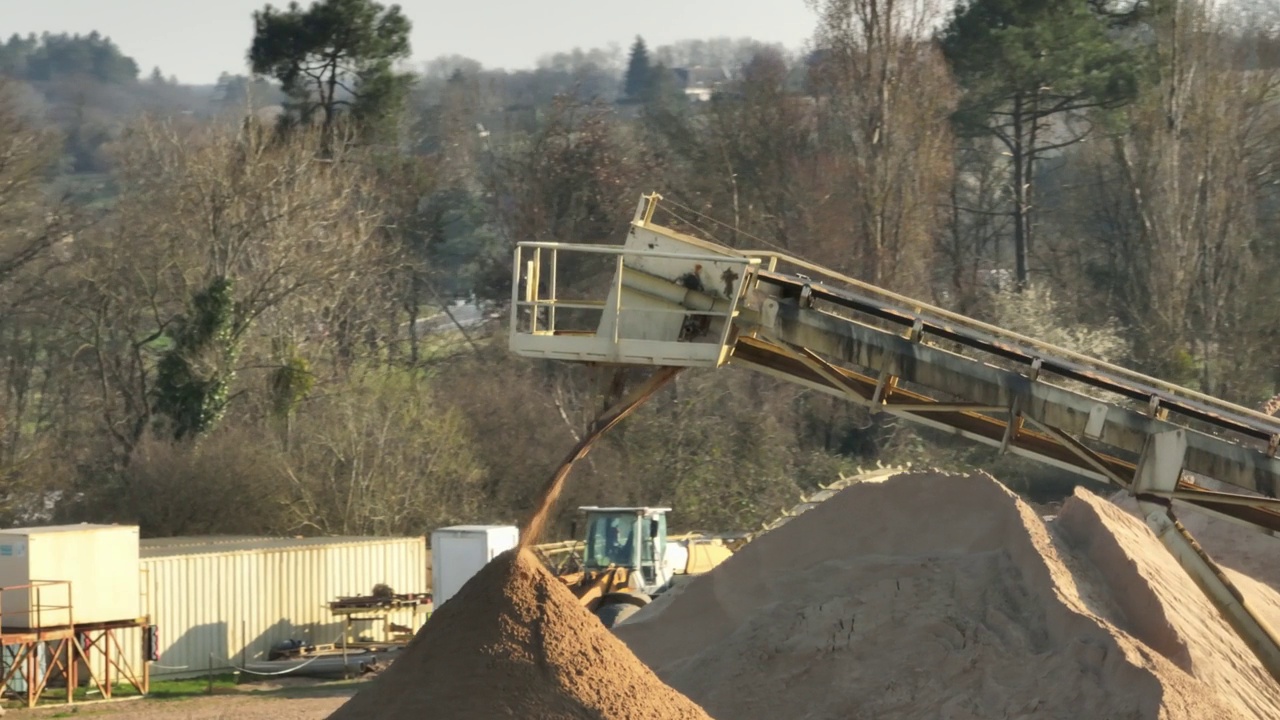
665,298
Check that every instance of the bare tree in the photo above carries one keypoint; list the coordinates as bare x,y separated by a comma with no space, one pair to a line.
233,483
35,230
885,95
27,156
967,261
573,181
291,234
741,158
1201,150
382,457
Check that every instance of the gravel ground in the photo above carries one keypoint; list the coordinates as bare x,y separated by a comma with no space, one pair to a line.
282,702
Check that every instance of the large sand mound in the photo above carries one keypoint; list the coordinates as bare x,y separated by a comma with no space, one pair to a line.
1162,607
515,643
927,596
1250,558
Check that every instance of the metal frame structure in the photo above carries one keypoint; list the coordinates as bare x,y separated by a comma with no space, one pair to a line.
676,300
374,609
68,645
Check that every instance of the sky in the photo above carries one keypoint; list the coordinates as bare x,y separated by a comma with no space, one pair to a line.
196,40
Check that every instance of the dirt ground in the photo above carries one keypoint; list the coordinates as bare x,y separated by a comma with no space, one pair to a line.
301,701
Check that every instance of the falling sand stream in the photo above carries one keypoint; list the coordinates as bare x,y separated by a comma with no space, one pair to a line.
532,528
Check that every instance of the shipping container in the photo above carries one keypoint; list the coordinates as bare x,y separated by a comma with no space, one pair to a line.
458,553
219,602
56,574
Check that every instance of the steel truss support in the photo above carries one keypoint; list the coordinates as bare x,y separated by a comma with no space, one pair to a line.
936,376
1158,475
1215,585
26,663
91,653
104,640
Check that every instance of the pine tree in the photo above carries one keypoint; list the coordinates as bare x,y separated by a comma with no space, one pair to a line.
639,71
338,54
1022,62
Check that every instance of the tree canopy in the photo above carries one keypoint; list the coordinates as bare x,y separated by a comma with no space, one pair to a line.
54,56
211,327
1057,54
1021,62
335,55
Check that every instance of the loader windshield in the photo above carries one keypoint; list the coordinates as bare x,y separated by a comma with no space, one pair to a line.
611,540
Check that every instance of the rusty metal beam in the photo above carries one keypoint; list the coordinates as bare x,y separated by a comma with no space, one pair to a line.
1086,454
1221,498
768,358
821,367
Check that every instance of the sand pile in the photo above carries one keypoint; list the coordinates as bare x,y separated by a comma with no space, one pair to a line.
1251,559
1161,605
515,643
927,596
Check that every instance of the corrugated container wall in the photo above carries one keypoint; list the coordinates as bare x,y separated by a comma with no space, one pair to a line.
222,602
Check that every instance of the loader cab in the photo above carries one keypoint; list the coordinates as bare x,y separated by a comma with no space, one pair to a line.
628,537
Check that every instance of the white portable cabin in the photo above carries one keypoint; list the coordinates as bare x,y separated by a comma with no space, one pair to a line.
58,574
460,551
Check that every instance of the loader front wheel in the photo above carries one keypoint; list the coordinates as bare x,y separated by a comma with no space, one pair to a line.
616,612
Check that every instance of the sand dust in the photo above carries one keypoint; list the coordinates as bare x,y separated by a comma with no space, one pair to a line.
927,596
515,643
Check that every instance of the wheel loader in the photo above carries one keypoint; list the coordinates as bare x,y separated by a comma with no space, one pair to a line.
627,559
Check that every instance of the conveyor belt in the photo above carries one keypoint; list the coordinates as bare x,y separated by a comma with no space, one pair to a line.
1130,385
810,330
680,301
